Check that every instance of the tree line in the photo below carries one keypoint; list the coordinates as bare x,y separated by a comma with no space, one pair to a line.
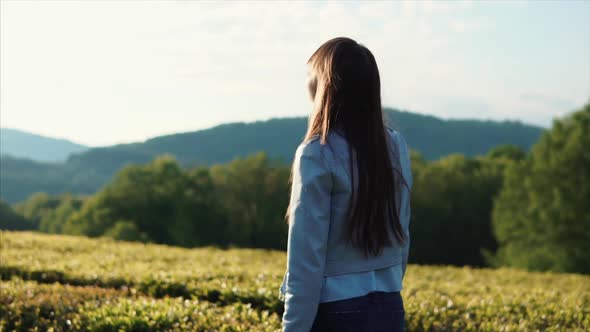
88,171
506,208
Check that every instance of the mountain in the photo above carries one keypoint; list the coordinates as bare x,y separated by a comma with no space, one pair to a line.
21,144
85,172
435,137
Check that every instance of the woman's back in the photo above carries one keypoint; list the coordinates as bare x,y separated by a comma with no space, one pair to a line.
338,157
328,267
373,274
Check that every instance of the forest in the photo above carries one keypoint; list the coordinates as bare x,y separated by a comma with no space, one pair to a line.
87,171
508,207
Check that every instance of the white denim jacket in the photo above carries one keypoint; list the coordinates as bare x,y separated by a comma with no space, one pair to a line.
316,249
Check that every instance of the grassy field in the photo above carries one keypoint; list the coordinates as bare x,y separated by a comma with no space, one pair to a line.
65,283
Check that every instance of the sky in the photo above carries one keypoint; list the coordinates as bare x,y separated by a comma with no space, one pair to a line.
106,72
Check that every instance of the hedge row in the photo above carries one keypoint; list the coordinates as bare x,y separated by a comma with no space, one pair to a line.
28,306
437,298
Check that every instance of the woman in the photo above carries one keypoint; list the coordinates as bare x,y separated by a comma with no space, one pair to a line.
349,210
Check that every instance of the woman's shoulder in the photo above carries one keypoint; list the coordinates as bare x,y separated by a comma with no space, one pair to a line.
310,146
398,138
404,155
394,132
313,148
314,143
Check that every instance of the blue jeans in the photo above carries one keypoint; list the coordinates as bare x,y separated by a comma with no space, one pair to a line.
374,312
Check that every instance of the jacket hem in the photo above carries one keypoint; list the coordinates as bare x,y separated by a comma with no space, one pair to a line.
332,269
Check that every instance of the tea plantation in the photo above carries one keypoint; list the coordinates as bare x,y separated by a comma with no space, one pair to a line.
67,283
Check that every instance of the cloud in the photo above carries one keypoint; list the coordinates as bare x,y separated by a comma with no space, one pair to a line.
187,65
557,103
466,107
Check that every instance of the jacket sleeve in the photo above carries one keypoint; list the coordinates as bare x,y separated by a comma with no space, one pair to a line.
405,253
409,180
309,222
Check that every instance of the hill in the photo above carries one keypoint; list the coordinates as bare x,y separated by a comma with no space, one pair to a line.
431,136
86,171
22,144
236,290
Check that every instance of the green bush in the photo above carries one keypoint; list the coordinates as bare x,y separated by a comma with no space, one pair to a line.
126,231
27,306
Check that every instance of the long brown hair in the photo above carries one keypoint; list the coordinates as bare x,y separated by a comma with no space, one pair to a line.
346,89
